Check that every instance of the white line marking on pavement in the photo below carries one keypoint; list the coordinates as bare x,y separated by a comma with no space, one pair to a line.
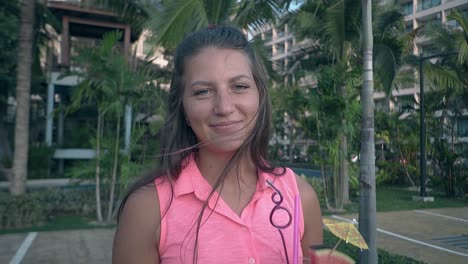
23,248
441,215
408,238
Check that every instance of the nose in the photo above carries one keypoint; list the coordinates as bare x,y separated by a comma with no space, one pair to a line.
224,103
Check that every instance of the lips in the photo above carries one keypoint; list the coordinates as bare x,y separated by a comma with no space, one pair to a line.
227,126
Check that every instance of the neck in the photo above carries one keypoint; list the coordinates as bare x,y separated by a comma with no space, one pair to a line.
211,166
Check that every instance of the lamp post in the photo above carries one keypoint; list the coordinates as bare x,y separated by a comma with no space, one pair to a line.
422,131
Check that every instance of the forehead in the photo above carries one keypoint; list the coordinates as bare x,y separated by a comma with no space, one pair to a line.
212,60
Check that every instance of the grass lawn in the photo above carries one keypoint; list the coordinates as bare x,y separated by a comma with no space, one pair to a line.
390,198
384,257
394,198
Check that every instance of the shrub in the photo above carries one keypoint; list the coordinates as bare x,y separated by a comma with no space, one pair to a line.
317,184
37,207
40,161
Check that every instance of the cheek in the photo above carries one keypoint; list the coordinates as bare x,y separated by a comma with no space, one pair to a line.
195,111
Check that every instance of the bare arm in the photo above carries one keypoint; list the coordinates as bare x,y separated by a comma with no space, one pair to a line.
137,237
313,228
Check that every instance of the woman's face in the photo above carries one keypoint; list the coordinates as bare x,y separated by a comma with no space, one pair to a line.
220,98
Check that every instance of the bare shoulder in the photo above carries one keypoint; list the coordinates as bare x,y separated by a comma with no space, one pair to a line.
313,231
306,190
137,236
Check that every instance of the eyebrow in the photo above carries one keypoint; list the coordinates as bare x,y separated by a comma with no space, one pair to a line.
231,80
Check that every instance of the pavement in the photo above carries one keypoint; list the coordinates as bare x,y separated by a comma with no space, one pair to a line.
429,235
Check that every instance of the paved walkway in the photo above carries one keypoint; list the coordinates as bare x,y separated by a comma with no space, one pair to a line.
432,235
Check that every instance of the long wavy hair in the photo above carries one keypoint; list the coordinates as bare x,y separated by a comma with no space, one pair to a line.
178,140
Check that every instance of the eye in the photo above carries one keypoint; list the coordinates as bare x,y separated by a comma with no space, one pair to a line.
202,92
241,86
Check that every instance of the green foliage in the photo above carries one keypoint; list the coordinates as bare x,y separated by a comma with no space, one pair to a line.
317,184
449,72
9,28
353,170
110,83
449,171
36,208
329,241
174,19
398,159
78,133
39,161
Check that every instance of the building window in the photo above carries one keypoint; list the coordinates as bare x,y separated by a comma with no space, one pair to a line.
409,27
381,105
452,23
407,8
426,4
462,125
429,50
405,103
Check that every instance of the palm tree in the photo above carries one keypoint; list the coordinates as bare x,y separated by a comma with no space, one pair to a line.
109,83
451,69
447,79
176,18
23,86
336,44
367,203
333,44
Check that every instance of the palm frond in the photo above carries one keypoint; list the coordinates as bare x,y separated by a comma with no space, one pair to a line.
388,20
255,14
218,12
442,77
135,13
176,19
259,46
386,64
462,44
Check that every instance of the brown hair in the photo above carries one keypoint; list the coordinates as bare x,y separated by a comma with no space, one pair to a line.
178,139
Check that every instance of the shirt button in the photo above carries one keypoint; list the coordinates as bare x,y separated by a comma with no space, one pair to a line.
243,228
251,260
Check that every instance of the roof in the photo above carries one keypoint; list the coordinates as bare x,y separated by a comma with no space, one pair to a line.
89,22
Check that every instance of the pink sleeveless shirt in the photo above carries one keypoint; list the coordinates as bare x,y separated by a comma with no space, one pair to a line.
224,236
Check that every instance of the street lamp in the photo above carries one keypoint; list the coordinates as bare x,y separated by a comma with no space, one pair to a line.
422,131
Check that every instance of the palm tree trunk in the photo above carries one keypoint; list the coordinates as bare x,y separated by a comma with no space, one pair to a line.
110,208
343,181
337,194
98,166
23,89
322,165
367,197
291,142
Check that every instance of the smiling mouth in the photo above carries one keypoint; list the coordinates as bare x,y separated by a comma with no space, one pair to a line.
228,126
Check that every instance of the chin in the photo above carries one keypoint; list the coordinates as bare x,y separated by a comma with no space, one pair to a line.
224,147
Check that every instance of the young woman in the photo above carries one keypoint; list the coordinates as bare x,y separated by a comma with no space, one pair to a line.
216,199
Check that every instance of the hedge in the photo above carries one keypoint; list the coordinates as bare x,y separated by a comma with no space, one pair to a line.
37,207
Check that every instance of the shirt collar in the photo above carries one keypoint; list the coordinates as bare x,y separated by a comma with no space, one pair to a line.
191,180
